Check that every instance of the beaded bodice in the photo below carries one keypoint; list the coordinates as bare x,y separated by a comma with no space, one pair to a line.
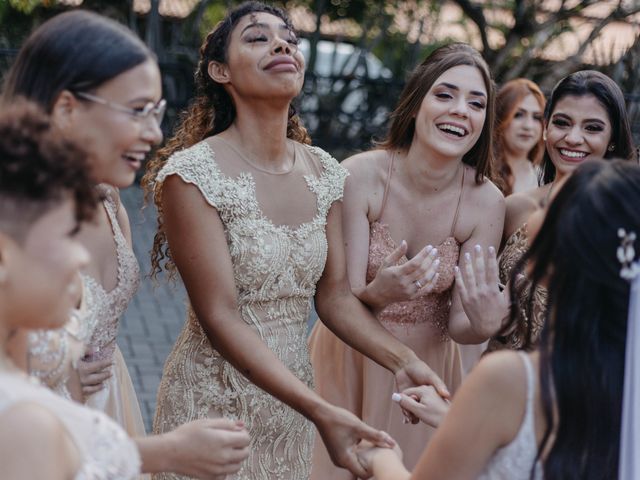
434,306
103,309
515,247
275,268
106,452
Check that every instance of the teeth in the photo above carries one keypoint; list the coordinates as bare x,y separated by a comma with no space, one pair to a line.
572,154
452,128
135,156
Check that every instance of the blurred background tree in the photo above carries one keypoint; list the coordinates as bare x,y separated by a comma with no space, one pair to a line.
359,51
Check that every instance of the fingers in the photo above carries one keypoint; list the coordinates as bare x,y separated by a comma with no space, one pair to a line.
394,257
223,423
351,462
493,273
417,392
417,267
377,437
480,270
88,367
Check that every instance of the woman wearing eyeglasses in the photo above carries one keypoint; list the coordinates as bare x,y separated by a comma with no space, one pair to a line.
102,87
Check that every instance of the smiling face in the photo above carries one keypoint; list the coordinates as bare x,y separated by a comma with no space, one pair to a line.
41,287
525,129
453,112
579,128
118,142
263,60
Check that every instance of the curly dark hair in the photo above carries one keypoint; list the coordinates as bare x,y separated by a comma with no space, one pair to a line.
38,169
211,111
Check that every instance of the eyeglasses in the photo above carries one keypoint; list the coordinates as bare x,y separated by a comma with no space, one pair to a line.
150,109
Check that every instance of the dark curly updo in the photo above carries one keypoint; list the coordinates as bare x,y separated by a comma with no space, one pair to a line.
38,170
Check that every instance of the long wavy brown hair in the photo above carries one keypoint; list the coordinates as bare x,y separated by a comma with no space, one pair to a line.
422,78
507,102
211,112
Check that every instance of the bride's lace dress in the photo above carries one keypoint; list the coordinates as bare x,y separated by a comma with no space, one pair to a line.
276,267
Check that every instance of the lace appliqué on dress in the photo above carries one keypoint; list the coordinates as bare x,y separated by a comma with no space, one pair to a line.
275,269
515,247
103,309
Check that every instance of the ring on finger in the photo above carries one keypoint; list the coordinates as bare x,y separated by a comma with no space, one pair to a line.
418,284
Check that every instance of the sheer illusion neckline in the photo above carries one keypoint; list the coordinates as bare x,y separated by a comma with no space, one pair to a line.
251,163
292,230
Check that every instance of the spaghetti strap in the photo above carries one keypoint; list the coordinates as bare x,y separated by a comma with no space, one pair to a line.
455,216
386,185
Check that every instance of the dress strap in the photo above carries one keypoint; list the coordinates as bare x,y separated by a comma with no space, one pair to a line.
531,381
455,216
386,185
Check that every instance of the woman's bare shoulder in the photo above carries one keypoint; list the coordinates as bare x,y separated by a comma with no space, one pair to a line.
519,208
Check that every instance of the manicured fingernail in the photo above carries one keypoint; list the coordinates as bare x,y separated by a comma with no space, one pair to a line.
478,248
396,397
492,250
456,269
434,252
436,263
467,257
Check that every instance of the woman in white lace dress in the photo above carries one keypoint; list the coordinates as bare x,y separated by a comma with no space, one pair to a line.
249,216
555,412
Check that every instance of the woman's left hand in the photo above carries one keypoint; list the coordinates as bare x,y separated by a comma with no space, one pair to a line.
484,300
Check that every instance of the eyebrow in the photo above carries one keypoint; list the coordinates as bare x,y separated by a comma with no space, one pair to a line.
282,26
598,120
454,87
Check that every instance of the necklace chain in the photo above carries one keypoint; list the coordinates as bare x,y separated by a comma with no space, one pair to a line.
258,167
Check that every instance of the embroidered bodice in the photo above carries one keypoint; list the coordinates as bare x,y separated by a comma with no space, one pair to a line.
275,268
106,452
514,461
515,247
103,309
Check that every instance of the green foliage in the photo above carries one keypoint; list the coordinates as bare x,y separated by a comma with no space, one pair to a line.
25,6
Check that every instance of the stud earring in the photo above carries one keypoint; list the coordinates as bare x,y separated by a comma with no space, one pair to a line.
611,147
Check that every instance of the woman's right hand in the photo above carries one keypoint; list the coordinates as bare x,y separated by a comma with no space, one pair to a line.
398,283
425,403
210,448
93,373
342,432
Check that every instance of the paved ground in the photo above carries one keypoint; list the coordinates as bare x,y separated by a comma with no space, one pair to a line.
154,317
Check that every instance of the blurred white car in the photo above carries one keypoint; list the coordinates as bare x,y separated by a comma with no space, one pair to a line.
339,58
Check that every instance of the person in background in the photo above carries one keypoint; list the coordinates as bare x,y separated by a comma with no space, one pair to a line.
517,135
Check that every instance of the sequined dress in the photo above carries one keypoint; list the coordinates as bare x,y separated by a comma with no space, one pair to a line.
515,247
102,313
349,379
106,452
276,268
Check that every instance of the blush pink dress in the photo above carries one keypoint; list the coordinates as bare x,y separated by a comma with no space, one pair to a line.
346,378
